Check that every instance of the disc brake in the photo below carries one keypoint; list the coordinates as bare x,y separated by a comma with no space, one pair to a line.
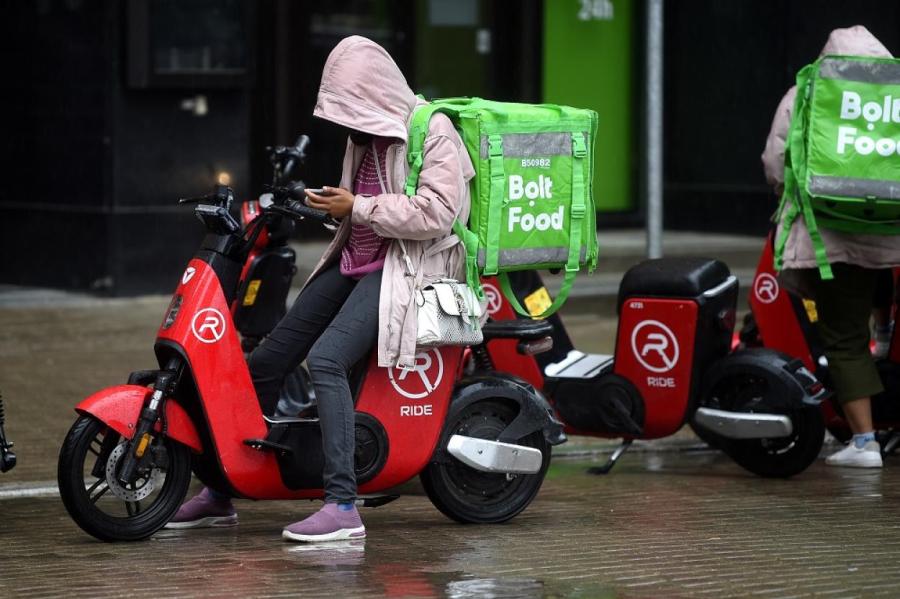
142,486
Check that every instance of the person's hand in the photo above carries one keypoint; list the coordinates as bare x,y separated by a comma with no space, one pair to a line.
336,201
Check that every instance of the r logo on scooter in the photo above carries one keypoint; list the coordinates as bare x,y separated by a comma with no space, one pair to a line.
419,382
655,346
493,298
765,287
208,325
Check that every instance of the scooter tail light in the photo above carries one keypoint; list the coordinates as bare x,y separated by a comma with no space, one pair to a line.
538,346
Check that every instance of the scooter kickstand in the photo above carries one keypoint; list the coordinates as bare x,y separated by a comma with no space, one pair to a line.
605,468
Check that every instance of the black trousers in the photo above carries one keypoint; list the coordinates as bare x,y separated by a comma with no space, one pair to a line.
333,324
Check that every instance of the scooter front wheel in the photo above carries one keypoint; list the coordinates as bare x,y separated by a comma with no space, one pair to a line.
103,506
471,496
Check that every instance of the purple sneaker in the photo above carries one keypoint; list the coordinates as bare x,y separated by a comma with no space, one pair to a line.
328,524
204,511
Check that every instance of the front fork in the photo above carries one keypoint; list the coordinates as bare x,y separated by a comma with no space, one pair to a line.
163,387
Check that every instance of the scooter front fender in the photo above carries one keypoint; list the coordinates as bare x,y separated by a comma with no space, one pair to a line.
535,413
796,386
119,408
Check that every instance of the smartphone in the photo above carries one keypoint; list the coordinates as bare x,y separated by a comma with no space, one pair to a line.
319,191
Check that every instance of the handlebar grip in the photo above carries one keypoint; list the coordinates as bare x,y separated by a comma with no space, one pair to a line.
298,152
302,143
303,210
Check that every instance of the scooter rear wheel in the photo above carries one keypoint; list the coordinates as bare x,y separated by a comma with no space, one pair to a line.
471,496
104,507
775,458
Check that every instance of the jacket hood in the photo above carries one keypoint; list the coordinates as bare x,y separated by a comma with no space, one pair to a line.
362,88
854,41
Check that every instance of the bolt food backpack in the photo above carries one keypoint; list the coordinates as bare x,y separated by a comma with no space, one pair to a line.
842,153
532,206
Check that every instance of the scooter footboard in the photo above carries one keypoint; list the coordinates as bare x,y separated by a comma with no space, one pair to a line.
119,408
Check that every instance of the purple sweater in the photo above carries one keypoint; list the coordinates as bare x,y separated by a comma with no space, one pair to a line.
365,250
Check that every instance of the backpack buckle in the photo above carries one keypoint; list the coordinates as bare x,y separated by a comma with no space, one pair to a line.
579,149
495,146
577,211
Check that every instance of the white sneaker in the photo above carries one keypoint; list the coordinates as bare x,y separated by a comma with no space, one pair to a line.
868,456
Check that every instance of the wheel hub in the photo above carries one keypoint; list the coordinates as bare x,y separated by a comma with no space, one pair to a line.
140,488
474,482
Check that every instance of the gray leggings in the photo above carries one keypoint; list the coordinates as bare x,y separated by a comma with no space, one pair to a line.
333,324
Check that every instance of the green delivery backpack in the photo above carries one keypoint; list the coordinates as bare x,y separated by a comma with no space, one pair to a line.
532,206
842,154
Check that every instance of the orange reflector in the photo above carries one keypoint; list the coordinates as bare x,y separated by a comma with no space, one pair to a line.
142,445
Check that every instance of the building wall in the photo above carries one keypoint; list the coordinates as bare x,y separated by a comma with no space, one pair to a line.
93,168
590,62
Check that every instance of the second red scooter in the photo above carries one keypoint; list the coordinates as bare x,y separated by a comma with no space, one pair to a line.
673,365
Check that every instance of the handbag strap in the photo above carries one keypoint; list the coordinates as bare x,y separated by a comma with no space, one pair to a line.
442,245
410,271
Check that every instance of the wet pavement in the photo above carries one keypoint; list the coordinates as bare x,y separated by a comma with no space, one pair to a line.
671,520
674,524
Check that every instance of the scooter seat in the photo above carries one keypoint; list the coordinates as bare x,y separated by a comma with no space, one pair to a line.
672,277
521,328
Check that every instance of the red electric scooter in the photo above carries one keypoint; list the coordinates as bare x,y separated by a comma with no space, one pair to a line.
783,321
672,365
481,444
7,457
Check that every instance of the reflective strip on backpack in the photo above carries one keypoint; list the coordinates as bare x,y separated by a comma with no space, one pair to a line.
528,256
526,145
849,186
851,70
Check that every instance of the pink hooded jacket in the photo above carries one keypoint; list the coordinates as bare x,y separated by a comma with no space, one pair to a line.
869,251
363,89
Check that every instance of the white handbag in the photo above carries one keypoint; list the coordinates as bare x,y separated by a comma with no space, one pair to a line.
449,314
448,311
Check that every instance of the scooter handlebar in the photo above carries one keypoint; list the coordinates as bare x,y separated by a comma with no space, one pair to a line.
296,209
294,154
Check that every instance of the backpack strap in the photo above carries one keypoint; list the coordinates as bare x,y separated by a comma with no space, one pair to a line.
470,243
558,301
418,131
498,200
794,201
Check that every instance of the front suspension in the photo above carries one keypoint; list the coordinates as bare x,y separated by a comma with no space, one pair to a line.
136,449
